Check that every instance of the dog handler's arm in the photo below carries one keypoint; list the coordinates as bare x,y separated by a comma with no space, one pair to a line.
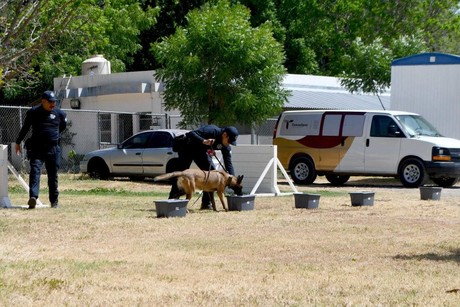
195,137
208,142
227,156
199,139
18,149
24,129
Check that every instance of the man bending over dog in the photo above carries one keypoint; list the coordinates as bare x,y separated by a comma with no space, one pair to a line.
194,147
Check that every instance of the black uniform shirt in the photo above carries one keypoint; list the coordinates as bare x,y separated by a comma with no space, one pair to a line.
46,126
213,132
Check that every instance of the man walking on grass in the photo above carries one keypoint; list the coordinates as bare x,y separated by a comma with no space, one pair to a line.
42,147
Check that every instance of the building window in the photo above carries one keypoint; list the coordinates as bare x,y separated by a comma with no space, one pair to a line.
105,127
145,122
125,126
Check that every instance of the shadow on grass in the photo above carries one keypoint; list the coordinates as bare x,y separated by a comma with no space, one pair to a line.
453,255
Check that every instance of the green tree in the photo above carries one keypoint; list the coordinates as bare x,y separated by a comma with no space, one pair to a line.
369,65
40,40
317,34
172,15
221,70
26,27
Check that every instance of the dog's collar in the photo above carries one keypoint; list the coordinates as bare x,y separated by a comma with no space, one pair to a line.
229,180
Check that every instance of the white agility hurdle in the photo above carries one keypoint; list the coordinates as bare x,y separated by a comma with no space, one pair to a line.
259,164
5,165
4,199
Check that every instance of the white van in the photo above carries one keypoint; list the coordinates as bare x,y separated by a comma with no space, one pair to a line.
340,144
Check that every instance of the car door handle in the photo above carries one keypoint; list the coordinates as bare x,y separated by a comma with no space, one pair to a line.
138,153
367,142
170,153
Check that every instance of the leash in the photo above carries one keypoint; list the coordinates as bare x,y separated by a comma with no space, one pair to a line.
212,153
205,183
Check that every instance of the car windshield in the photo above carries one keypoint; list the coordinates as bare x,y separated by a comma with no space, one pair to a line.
416,125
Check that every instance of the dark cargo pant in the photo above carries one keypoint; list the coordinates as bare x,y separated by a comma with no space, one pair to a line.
201,158
51,157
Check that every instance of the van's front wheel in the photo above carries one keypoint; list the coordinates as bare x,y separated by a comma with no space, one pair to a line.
303,171
412,173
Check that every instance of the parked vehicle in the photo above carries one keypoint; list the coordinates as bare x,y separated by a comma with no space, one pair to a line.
145,154
341,143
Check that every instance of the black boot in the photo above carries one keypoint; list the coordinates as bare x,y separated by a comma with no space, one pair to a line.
206,201
205,206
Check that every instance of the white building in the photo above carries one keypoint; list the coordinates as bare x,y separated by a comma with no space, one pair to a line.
428,84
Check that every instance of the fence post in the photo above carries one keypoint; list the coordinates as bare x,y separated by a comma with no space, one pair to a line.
167,121
4,199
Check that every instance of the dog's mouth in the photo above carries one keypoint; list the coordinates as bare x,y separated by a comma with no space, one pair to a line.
238,190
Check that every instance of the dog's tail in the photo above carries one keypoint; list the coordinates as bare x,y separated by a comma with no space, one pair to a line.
167,176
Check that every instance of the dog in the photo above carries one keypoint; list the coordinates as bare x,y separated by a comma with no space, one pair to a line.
207,181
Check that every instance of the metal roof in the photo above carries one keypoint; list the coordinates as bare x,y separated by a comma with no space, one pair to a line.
430,58
319,92
335,100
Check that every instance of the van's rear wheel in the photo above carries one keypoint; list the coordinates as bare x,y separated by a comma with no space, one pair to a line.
337,179
445,182
303,171
412,173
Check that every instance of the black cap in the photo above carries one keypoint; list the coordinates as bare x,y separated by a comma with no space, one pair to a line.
49,95
232,133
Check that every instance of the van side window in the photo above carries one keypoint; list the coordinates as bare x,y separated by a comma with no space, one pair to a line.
353,125
331,124
343,125
384,126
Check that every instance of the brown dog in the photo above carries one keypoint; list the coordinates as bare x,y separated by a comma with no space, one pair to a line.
207,181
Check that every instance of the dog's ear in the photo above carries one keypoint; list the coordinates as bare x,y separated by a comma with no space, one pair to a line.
239,179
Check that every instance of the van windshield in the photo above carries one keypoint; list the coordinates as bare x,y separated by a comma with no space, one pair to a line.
417,125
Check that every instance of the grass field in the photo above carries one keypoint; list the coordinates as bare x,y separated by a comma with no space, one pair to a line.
105,246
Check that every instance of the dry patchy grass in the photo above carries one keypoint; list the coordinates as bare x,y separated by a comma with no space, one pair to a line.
105,247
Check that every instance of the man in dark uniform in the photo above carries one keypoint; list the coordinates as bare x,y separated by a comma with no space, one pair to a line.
47,123
196,146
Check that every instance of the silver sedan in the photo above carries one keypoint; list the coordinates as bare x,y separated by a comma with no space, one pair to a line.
145,154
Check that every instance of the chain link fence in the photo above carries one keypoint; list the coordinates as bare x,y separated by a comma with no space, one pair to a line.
86,131
91,130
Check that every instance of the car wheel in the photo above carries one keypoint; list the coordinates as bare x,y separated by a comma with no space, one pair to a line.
303,171
337,179
445,182
412,173
97,169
